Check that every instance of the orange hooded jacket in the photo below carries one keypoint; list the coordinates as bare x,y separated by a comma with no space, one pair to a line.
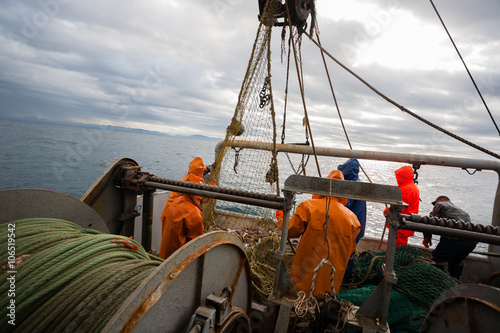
410,195
308,222
194,175
182,223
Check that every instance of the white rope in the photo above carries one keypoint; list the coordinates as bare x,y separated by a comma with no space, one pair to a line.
304,304
322,262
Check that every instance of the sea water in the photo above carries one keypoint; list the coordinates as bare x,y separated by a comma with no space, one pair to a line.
69,159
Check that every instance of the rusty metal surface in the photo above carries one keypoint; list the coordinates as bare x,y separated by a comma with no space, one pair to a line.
107,199
165,301
237,321
465,308
215,192
33,203
344,189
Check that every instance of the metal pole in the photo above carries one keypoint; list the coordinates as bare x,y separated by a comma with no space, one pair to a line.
215,195
147,219
390,275
450,232
444,161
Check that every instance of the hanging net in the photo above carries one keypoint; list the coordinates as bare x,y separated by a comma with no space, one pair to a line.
253,120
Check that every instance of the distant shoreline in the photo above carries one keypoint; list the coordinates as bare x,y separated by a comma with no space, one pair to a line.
110,128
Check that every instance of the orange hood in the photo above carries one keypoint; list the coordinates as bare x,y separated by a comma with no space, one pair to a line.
404,175
196,167
334,174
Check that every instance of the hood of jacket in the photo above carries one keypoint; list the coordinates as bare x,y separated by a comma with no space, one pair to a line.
196,167
404,175
334,174
350,169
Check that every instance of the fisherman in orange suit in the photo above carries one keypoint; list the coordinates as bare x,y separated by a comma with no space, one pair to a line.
182,215
194,174
309,222
410,195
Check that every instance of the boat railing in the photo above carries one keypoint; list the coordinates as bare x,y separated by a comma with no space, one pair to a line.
414,159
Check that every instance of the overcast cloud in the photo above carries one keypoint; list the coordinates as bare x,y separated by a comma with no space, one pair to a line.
177,67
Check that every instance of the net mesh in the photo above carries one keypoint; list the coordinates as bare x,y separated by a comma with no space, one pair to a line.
263,265
419,285
253,120
404,314
417,277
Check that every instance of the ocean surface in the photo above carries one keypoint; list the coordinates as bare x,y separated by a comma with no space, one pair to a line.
69,159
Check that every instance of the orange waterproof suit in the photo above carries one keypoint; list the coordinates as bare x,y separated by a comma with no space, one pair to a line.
308,222
410,195
194,175
183,222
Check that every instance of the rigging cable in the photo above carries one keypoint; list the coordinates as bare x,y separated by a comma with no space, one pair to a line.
466,68
402,108
302,167
336,104
308,125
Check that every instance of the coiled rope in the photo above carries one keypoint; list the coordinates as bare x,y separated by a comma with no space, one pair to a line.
73,279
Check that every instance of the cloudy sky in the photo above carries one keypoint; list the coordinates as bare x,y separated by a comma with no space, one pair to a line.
177,66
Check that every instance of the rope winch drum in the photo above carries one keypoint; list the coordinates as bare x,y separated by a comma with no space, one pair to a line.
299,11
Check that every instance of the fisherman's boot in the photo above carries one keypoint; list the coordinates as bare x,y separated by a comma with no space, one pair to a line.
455,270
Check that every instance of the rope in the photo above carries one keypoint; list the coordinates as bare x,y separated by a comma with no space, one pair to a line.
73,279
321,263
466,68
301,86
368,272
402,108
304,304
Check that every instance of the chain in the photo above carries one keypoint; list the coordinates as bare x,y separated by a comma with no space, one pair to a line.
415,172
264,95
236,158
110,180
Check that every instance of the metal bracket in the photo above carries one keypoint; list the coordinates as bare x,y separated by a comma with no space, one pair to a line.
138,185
202,321
344,189
221,304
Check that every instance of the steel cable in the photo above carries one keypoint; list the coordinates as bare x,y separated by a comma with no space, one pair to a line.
402,108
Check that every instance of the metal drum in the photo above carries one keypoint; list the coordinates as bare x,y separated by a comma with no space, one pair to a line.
210,270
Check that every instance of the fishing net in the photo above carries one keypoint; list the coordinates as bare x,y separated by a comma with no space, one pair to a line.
263,265
253,120
417,277
404,314
419,285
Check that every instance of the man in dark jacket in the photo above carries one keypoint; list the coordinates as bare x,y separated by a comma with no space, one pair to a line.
350,169
450,250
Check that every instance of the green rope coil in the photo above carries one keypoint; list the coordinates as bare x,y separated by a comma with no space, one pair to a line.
74,279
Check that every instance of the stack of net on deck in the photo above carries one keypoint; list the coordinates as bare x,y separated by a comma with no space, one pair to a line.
419,285
253,120
262,262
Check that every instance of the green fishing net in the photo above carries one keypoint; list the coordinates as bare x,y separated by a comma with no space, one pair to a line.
419,285
417,277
